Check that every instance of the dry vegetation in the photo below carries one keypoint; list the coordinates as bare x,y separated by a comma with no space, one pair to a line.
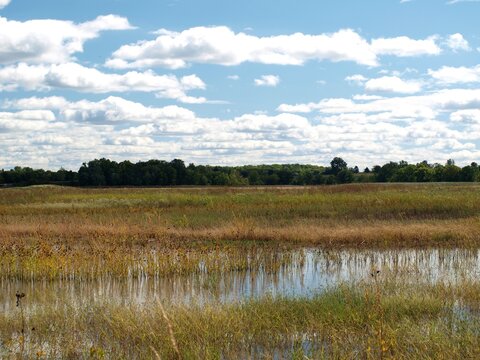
60,235
373,320
52,232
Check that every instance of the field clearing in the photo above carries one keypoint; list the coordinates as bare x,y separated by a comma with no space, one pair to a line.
132,273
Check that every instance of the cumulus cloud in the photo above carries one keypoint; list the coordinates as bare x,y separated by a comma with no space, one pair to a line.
220,45
52,139
418,108
90,80
110,110
457,42
44,115
26,120
365,130
404,46
4,3
50,103
51,41
466,116
52,131
267,80
455,75
393,84
124,129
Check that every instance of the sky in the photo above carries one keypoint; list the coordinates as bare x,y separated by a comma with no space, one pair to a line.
225,82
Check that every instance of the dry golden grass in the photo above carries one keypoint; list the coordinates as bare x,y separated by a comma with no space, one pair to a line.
52,232
78,236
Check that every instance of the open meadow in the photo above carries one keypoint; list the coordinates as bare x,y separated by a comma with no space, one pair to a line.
373,271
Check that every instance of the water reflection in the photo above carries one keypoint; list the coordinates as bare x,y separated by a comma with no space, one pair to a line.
308,272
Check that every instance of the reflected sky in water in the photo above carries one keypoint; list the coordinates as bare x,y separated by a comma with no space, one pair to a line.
308,272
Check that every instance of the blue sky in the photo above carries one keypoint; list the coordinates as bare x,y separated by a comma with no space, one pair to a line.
224,82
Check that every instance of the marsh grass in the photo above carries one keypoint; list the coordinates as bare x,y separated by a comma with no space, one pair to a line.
54,232
54,235
362,321
398,312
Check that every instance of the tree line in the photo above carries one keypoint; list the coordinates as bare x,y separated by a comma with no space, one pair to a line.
104,172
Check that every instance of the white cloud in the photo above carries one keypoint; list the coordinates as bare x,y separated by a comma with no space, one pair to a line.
49,103
23,76
267,80
122,129
265,123
452,2
309,107
457,42
51,41
364,131
466,116
26,120
364,97
77,77
393,84
4,3
220,45
52,139
356,79
398,73
427,106
45,115
233,77
404,46
454,75
111,109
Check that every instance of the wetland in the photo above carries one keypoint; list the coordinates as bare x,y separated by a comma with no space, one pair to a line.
351,271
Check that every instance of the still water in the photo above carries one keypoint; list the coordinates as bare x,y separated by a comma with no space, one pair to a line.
309,272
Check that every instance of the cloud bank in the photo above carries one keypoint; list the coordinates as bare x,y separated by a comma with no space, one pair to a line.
76,77
222,46
363,129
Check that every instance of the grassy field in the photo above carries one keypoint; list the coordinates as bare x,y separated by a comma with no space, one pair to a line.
52,232
71,235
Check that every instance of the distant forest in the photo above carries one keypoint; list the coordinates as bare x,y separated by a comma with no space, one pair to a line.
104,172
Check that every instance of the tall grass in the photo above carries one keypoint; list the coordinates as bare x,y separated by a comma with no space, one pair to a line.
54,232
346,322
64,236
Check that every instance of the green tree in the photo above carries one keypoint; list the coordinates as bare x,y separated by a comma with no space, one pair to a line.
337,165
345,176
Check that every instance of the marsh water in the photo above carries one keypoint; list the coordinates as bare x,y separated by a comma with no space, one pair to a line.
308,272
